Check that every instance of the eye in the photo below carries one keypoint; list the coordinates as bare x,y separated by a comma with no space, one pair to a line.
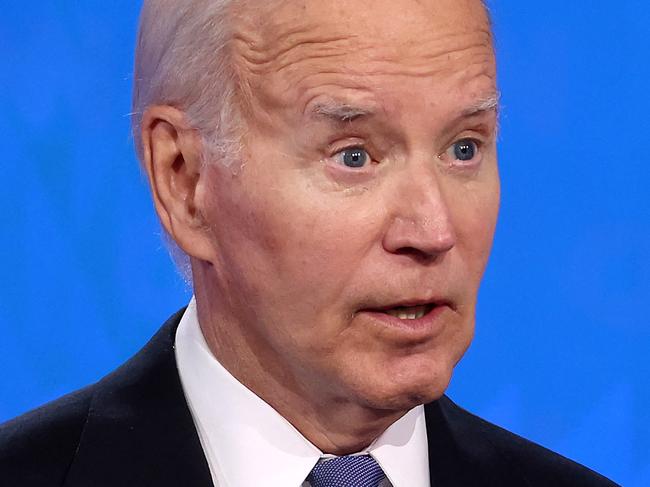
353,157
463,150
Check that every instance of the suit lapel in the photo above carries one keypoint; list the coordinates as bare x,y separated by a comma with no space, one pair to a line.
460,453
139,430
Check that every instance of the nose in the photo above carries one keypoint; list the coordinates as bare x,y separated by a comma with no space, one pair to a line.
421,224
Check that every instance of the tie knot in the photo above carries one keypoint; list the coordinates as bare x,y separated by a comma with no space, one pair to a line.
347,471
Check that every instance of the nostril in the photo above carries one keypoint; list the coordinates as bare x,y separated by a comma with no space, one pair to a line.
419,255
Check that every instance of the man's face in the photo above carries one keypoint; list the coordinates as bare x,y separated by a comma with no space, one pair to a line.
367,196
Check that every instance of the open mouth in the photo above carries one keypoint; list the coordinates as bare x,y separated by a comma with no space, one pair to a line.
421,319
410,312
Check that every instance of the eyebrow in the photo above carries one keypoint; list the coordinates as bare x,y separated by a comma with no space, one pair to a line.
344,112
340,112
485,104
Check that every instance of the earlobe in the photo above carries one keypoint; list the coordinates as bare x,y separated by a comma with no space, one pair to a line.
172,158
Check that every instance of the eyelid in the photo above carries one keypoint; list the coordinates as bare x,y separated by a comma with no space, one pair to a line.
352,143
481,132
479,139
348,143
473,135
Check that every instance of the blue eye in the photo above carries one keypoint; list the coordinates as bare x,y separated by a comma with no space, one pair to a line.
353,157
465,149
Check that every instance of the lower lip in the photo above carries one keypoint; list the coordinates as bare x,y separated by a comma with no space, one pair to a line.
429,324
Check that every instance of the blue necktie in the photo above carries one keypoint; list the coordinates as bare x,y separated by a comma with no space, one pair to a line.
347,471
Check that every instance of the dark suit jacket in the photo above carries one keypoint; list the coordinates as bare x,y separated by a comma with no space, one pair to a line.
133,429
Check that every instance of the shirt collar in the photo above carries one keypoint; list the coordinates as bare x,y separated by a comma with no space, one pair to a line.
402,450
246,440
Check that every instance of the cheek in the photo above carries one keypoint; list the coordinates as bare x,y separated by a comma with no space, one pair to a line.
319,255
475,216
299,252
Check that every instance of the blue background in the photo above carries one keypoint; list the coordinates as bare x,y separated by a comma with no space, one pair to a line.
561,352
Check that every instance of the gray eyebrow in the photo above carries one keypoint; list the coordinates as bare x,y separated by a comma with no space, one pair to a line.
340,112
485,104
344,112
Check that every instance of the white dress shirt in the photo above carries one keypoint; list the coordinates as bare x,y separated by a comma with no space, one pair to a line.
247,443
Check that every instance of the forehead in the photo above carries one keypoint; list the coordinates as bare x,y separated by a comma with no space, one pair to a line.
289,48
276,21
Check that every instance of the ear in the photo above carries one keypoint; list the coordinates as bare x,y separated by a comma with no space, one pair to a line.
172,157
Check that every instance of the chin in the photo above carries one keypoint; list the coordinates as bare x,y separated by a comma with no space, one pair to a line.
400,392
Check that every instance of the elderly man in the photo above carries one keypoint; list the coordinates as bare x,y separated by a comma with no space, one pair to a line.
328,171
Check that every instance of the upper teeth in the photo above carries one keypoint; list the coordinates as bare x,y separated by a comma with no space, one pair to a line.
408,313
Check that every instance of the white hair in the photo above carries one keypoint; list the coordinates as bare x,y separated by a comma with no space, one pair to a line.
182,59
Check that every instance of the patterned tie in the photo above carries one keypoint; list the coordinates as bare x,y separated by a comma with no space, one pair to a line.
347,471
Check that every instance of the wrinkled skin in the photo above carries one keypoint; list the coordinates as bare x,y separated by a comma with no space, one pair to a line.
300,246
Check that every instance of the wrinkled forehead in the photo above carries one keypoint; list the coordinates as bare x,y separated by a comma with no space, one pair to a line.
277,24
290,45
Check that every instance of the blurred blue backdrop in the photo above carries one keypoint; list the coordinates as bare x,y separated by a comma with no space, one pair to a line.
563,338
